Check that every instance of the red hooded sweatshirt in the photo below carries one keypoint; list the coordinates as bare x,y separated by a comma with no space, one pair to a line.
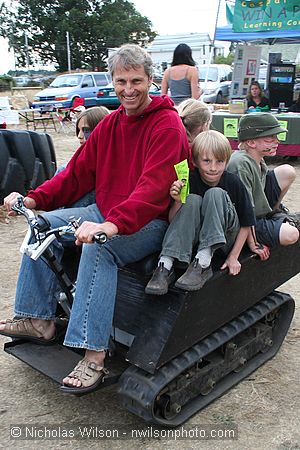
129,161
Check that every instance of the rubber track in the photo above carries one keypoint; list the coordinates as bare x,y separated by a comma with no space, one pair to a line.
139,389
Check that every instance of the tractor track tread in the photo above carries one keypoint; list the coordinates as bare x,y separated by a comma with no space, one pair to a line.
138,389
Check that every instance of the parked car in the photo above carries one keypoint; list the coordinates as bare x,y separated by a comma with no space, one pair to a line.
22,81
296,89
106,96
65,88
217,87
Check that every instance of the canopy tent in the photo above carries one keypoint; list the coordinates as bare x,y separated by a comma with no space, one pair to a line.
260,37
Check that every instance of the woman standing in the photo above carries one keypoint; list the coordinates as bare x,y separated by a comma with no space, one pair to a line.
182,77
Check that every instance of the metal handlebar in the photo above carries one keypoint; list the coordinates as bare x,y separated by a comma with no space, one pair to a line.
21,209
100,238
43,234
39,229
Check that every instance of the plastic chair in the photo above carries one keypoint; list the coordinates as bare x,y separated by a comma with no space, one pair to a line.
67,117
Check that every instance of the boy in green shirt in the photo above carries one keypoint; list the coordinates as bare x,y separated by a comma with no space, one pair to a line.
257,134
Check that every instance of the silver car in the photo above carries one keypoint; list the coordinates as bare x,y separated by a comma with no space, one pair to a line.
215,81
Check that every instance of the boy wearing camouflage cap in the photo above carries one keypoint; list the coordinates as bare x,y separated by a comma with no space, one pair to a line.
257,134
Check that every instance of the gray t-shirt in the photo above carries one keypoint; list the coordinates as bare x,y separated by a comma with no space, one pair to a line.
254,178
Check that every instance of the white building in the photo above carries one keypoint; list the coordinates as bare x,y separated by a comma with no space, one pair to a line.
163,46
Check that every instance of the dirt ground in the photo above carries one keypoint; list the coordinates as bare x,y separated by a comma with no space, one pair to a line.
265,407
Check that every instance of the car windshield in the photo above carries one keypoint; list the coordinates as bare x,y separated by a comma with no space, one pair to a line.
66,81
212,74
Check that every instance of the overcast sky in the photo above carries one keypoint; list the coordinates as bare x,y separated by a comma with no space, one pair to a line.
167,17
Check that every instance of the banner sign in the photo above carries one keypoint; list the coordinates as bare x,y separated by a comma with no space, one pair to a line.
265,15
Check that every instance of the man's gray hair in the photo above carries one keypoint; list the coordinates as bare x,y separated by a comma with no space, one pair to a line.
130,56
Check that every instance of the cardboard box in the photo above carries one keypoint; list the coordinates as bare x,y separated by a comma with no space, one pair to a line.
218,106
238,106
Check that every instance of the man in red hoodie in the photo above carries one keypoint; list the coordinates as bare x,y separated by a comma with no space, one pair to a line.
128,160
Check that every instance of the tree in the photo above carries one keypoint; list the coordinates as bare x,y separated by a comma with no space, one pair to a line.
224,59
36,30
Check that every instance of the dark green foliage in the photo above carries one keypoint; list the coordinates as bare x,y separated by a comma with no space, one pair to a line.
224,59
6,82
93,26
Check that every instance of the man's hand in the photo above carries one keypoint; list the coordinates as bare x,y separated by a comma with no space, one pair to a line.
12,198
87,230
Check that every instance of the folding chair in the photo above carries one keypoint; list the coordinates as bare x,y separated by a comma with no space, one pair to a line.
67,117
45,120
67,120
78,101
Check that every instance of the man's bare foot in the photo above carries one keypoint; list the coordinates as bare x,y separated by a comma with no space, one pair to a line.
97,358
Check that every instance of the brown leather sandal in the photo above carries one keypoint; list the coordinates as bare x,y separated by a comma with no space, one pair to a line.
90,374
23,329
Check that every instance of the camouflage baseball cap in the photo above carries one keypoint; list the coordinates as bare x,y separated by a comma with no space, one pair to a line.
256,125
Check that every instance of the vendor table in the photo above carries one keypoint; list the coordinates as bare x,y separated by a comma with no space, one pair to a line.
227,124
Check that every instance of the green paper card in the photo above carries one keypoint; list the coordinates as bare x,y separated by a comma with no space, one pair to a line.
182,171
283,124
230,127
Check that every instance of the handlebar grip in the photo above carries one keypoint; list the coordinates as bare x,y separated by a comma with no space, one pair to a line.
100,238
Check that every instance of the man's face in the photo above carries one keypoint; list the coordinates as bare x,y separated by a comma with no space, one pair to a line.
132,87
267,146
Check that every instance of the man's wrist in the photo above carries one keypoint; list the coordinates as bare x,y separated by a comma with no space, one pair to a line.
111,228
29,202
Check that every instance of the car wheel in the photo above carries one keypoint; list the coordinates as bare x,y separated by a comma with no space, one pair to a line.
219,98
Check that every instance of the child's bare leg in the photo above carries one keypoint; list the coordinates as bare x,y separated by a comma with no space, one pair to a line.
288,234
285,176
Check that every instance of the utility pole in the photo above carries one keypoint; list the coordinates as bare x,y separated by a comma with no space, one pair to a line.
26,52
212,45
68,51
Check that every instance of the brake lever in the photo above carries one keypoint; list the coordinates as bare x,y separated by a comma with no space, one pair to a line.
99,238
21,209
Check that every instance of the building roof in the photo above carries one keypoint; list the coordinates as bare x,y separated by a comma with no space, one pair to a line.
168,42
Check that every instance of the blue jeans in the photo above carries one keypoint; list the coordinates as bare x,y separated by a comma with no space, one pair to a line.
93,307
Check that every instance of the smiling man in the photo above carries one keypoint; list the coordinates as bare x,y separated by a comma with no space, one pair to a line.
129,160
132,86
257,134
